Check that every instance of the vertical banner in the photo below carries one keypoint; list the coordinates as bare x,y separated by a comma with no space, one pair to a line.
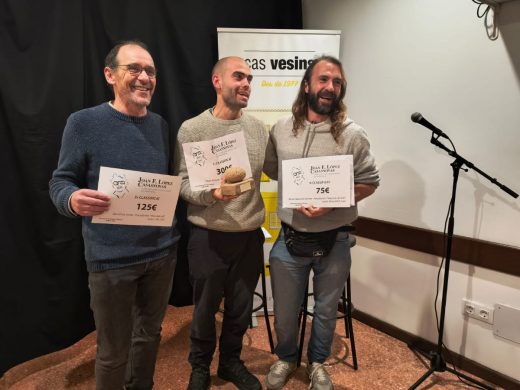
278,59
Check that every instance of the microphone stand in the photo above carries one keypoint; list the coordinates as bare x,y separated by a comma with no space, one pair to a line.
436,359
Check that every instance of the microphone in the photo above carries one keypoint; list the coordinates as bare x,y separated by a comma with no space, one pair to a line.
418,118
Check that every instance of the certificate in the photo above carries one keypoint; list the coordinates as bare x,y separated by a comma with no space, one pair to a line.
326,181
138,198
207,161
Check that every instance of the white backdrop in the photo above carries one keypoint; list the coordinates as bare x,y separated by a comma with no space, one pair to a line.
433,56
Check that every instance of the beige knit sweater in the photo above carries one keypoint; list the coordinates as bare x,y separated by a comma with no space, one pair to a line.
312,141
244,213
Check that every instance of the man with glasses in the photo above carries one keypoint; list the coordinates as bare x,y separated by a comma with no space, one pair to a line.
130,267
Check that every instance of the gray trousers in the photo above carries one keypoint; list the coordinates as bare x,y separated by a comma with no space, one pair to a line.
129,305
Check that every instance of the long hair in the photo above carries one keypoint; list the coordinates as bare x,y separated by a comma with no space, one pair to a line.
301,104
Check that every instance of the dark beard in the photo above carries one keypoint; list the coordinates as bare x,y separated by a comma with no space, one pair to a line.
322,109
233,103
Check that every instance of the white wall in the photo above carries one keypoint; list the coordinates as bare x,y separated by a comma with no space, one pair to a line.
433,56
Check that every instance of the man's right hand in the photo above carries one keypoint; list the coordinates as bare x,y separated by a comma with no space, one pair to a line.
217,195
87,202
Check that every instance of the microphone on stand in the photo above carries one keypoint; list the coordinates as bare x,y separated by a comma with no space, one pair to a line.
418,118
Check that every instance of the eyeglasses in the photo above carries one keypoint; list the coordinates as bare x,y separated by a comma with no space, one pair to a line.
136,70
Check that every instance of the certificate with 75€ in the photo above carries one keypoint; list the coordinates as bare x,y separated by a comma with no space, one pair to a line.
326,181
138,198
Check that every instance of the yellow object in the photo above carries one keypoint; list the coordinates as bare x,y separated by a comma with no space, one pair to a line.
271,222
267,270
264,177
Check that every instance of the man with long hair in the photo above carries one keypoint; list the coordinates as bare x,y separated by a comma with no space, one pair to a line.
319,126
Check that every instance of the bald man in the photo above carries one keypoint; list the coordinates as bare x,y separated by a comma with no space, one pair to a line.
225,249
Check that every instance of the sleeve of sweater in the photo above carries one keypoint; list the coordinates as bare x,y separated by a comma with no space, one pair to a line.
271,157
365,169
199,198
69,176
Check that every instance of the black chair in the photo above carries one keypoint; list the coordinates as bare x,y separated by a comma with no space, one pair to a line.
263,305
345,305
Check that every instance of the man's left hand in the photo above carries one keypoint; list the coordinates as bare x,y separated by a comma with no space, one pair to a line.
312,212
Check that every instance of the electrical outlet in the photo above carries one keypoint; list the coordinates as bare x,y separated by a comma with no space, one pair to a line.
484,314
469,307
477,311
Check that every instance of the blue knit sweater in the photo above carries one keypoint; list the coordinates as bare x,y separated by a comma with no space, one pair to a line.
102,136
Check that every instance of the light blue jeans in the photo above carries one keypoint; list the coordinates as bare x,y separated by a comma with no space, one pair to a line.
289,275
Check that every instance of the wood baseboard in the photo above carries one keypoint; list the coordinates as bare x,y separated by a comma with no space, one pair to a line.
480,253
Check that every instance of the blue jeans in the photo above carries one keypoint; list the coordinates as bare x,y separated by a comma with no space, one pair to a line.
129,305
289,276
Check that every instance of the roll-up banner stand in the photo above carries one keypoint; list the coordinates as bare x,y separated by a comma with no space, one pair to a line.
278,59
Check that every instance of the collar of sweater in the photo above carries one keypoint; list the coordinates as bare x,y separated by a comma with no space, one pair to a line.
125,117
318,127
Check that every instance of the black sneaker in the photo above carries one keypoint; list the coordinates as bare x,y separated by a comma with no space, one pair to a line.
235,372
199,378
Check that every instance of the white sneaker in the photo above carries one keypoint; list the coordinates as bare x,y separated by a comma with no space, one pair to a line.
319,377
279,374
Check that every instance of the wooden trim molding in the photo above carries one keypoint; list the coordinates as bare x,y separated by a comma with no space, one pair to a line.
419,344
480,253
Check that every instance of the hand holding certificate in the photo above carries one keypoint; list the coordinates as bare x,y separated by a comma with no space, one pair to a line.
326,181
138,198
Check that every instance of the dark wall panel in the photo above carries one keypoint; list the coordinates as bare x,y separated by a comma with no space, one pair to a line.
51,61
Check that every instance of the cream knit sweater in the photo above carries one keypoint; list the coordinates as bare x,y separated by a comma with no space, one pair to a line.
244,213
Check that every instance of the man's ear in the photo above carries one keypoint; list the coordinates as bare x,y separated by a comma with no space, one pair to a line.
306,86
215,79
109,77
